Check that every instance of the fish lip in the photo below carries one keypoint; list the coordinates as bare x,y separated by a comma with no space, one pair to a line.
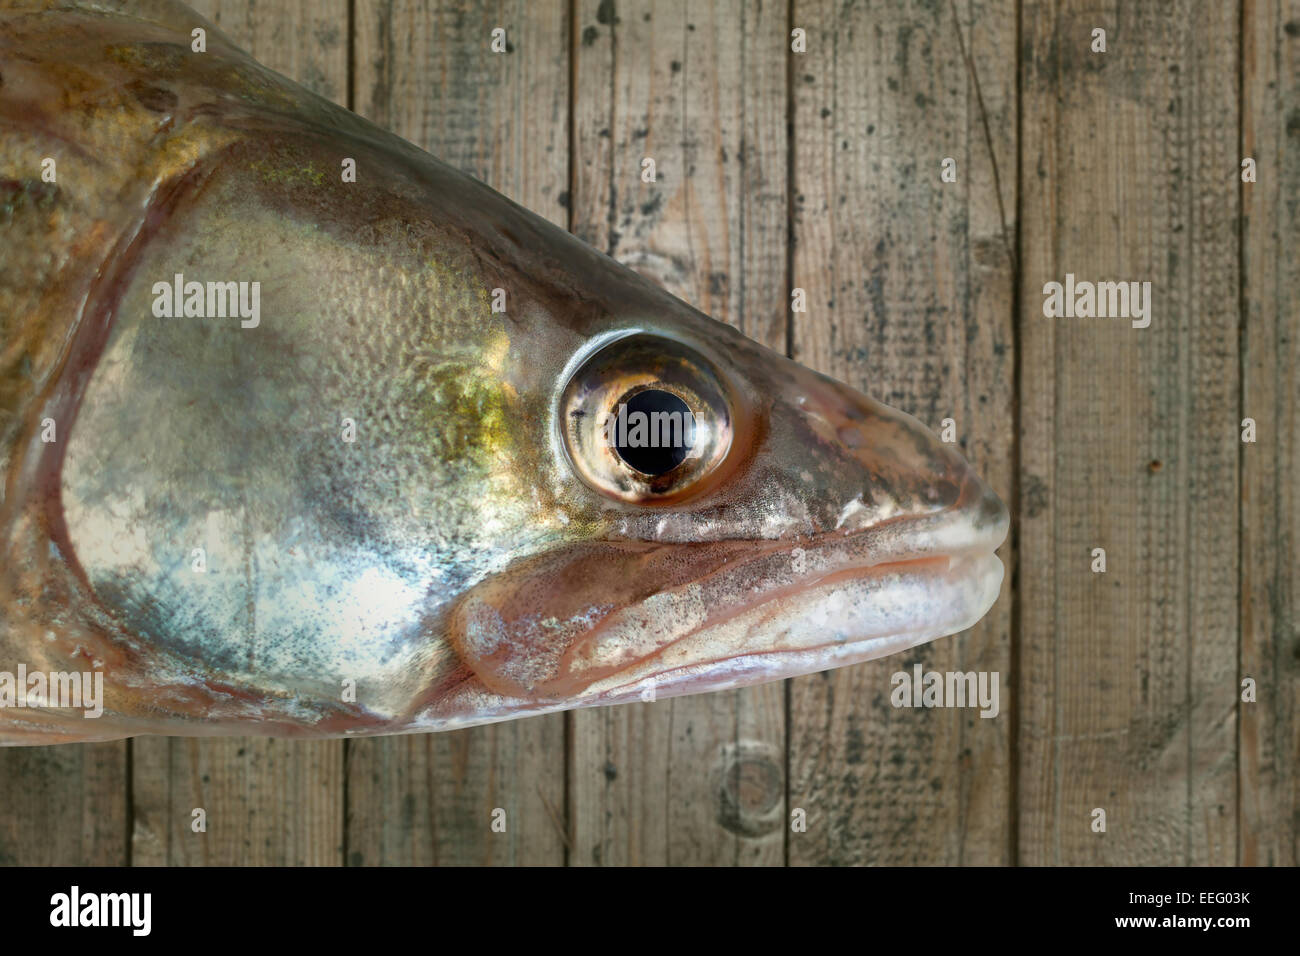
958,542
749,667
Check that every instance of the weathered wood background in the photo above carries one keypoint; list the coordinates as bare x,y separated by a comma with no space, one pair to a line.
821,170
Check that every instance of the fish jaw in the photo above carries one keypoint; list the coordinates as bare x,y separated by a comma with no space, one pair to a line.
856,616
838,615
608,623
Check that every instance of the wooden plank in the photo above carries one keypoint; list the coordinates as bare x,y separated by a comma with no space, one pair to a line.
700,89
306,40
63,805
425,71
909,282
1270,515
1129,436
267,801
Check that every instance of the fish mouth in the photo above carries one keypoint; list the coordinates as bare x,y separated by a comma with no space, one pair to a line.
611,622
851,616
870,593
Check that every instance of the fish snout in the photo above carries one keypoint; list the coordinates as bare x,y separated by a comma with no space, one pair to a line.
868,465
977,521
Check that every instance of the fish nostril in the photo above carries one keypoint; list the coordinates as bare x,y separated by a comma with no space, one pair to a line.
986,510
993,510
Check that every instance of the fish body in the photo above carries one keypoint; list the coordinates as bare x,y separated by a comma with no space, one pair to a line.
292,453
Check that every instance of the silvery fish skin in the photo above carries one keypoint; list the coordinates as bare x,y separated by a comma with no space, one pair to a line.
377,498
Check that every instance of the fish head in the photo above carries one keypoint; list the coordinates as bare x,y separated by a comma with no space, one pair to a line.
566,486
798,525
441,448
794,525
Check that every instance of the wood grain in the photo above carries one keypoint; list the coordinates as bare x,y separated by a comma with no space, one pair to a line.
1129,437
267,801
63,805
264,802
700,90
426,71
1269,770
910,290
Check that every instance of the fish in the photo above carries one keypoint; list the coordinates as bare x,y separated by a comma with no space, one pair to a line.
304,433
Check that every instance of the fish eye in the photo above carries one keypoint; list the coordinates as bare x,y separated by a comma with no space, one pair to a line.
648,420
655,413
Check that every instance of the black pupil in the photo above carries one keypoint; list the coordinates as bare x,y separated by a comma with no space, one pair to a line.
653,431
